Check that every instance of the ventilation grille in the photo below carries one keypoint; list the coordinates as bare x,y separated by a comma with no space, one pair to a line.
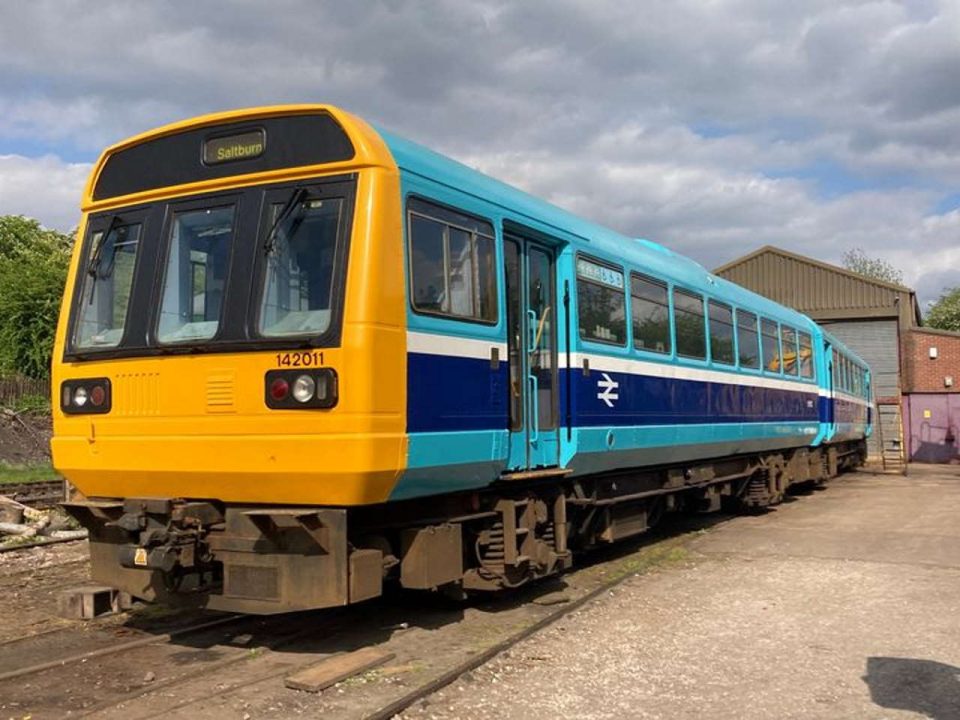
136,394
220,393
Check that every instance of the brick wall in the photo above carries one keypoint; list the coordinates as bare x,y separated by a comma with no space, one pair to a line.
923,374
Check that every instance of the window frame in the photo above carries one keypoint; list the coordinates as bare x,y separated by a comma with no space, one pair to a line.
733,333
100,224
784,329
313,192
756,331
449,223
239,322
165,241
627,320
763,359
643,277
813,365
703,316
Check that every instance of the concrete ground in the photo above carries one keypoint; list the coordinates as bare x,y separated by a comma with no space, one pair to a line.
844,603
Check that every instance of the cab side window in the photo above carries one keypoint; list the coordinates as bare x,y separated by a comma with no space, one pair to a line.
452,263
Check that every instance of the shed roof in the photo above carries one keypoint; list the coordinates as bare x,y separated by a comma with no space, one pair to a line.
823,291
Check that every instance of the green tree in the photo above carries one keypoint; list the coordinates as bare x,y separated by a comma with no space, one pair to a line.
858,261
944,314
33,271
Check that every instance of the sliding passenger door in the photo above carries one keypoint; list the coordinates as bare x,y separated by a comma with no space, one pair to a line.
530,269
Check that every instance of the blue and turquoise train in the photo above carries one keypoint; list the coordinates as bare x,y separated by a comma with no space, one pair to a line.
300,356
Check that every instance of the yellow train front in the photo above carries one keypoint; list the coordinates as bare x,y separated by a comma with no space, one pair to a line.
229,370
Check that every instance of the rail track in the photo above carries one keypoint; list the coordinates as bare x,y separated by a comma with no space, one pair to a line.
195,650
40,495
211,666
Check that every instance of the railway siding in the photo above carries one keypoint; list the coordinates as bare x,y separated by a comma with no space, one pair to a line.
829,599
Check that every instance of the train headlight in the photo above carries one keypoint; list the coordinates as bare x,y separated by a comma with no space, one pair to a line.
304,388
301,389
85,396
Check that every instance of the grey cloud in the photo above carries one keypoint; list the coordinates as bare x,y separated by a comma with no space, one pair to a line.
42,188
588,104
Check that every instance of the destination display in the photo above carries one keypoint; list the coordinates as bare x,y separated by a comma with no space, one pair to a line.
600,274
234,147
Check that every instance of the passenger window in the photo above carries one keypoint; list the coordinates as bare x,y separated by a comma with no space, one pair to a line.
452,263
650,306
721,333
748,341
788,344
806,355
689,321
601,303
770,339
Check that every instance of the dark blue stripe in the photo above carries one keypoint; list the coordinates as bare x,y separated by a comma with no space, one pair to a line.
455,394
845,411
645,400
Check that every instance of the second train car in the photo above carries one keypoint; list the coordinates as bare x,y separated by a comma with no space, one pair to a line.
300,356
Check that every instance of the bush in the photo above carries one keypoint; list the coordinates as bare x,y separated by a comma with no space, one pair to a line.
944,314
33,271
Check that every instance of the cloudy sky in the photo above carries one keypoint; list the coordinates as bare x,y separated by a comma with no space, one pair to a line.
710,126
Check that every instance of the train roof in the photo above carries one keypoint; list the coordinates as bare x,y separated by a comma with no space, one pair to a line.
640,252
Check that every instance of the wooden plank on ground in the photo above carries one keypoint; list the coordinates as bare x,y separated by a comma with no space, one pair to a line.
336,669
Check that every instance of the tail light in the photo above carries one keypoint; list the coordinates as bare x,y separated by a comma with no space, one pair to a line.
301,389
85,397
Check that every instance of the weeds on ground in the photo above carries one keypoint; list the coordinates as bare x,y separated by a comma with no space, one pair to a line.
29,404
40,472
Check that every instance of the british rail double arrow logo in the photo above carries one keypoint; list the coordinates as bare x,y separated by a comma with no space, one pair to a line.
609,388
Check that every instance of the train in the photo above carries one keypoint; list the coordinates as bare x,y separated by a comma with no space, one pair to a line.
301,358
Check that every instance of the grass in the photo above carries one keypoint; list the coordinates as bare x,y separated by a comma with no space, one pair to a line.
33,404
40,472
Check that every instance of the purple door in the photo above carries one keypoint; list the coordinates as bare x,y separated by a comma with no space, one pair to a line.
933,427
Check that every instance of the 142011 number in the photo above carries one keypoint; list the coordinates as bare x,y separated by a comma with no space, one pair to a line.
307,358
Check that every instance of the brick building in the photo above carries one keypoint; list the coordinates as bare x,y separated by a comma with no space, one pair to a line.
931,394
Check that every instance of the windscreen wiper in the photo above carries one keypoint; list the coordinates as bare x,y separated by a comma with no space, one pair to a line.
93,266
286,212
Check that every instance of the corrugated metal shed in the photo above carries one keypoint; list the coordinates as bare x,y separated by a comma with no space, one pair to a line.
869,316
876,342
824,292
